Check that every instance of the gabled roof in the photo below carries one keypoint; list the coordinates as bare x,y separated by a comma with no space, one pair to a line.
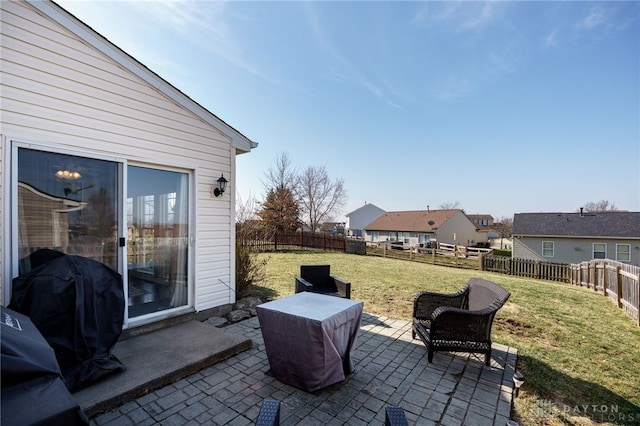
604,224
411,221
367,206
478,218
58,14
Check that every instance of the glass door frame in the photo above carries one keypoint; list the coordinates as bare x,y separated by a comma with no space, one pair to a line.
11,244
191,208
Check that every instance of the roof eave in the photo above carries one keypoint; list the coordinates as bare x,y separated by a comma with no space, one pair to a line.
67,20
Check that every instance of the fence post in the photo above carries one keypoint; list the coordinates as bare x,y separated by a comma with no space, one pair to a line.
481,261
595,275
619,291
605,277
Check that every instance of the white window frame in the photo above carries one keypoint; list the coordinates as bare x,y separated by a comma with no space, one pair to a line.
546,249
593,250
628,253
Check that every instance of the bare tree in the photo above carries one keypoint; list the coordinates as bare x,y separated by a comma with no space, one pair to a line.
246,210
504,227
599,206
450,206
280,175
320,198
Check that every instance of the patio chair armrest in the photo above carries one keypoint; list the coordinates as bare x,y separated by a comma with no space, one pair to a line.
303,285
426,302
343,286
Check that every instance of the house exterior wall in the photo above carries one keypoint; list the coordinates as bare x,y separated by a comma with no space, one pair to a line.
359,218
458,224
571,250
59,92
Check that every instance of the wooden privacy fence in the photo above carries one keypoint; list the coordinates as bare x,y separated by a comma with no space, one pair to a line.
616,280
292,241
526,268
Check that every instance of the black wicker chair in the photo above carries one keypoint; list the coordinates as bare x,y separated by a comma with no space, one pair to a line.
458,322
318,279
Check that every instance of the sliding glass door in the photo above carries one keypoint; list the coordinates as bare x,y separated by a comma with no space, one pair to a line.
66,203
73,204
157,235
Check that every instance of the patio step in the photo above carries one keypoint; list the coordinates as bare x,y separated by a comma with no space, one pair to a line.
158,358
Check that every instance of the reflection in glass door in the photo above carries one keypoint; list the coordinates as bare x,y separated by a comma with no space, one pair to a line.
157,240
66,203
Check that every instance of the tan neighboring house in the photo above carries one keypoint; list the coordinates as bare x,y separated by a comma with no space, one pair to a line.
424,226
103,158
577,237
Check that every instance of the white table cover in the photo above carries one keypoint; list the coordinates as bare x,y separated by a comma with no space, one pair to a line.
309,338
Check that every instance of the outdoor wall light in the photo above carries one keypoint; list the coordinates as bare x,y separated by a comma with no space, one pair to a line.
518,380
221,186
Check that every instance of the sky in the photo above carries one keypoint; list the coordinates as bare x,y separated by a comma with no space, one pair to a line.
497,107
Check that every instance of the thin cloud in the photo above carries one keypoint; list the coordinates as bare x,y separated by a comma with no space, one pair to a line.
597,17
204,24
459,16
340,67
551,39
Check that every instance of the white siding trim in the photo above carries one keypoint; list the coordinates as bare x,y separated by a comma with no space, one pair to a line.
98,42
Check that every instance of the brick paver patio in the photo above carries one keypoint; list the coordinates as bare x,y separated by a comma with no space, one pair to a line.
391,369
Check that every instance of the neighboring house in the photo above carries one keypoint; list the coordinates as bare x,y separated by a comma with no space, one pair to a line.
361,217
333,228
484,223
577,237
481,220
424,226
103,158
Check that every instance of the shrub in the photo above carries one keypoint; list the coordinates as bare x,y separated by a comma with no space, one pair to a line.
249,270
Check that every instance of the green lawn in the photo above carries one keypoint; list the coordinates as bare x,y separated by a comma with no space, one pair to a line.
580,354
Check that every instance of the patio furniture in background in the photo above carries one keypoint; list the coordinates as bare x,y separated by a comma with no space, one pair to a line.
318,279
309,338
459,322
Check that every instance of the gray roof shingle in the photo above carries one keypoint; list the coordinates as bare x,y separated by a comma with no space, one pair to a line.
612,224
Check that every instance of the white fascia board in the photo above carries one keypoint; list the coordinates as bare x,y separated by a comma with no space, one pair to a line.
68,21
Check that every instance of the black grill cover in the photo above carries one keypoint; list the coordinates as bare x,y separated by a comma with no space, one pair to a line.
32,388
78,305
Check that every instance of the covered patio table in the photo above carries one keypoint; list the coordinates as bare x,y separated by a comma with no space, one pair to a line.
309,338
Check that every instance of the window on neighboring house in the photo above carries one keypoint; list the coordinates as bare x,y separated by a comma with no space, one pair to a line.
375,236
623,252
404,237
392,236
547,249
599,250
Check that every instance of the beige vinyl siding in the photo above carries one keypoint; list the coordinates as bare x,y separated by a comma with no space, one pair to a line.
460,225
569,250
58,91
